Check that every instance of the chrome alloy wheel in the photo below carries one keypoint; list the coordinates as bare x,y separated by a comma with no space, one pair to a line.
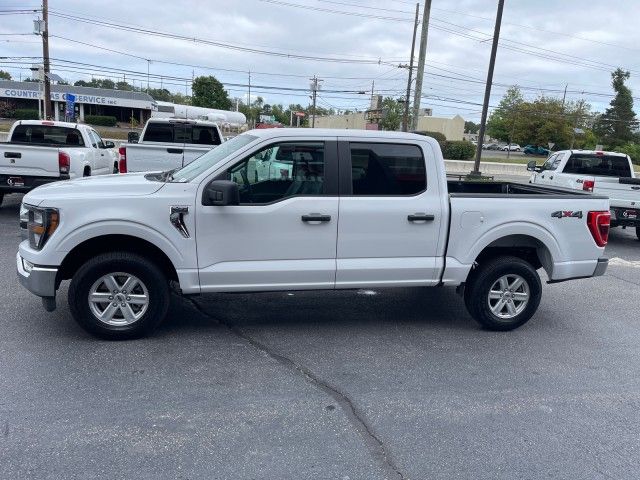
118,299
508,296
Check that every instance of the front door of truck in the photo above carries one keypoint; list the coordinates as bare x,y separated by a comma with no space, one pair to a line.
282,236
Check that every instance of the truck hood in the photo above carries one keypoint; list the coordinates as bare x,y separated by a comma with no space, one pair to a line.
105,186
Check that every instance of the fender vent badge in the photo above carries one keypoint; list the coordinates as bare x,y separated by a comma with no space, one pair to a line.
176,217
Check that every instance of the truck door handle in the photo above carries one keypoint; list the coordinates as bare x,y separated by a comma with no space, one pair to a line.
316,217
551,177
12,155
421,217
174,150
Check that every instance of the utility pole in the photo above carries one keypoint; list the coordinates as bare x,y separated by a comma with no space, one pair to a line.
421,58
564,96
45,59
405,118
249,99
314,90
148,63
487,89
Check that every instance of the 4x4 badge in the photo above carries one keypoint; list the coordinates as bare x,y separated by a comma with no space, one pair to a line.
567,213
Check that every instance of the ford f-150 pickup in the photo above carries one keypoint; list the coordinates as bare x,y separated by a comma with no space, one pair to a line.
603,173
357,209
41,151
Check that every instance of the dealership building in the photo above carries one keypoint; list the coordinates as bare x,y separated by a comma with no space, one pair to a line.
121,104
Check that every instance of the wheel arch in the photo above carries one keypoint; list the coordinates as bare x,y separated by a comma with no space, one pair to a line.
527,247
91,247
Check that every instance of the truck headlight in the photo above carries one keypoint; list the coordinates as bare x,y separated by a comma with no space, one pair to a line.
41,224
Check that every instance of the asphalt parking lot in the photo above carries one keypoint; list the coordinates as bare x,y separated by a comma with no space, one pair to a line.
351,385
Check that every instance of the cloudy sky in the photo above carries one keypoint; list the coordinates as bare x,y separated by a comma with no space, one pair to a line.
544,46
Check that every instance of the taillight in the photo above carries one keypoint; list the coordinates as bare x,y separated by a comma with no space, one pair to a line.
64,162
598,223
588,185
122,164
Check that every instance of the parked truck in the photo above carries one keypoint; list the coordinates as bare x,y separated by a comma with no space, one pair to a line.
359,209
39,152
169,143
603,173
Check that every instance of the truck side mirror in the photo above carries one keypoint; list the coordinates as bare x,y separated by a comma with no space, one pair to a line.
109,144
531,166
221,193
133,137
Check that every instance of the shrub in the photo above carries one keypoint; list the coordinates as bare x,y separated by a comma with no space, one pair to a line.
458,150
102,120
631,149
7,110
439,137
26,114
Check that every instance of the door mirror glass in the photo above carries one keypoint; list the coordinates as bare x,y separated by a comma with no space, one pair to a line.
531,166
109,144
221,193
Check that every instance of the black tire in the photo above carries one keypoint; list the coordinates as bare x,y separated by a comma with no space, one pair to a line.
1,198
151,277
637,230
116,169
87,172
487,274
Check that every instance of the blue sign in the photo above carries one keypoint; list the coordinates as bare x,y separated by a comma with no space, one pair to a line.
70,107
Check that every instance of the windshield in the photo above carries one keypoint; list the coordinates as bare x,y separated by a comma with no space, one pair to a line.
209,159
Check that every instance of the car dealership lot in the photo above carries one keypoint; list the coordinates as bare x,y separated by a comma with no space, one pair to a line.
350,385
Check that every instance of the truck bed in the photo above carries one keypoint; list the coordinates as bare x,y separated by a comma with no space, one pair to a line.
458,188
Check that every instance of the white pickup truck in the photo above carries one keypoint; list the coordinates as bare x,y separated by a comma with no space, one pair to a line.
604,173
169,143
361,209
39,152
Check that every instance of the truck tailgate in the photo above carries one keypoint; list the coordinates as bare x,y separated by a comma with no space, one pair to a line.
622,192
28,161
149,157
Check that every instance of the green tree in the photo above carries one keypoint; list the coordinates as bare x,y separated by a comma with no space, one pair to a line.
618,123
122,85
5,75
208,92
471,127
392,114
502,120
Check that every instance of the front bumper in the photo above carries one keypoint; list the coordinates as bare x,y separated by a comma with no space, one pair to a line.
40,281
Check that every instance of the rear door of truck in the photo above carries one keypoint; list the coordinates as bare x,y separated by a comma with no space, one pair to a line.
393,213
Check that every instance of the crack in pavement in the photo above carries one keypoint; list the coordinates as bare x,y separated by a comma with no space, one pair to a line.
609,274
375,446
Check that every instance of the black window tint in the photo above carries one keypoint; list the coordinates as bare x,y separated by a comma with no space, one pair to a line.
387,169
47,135
159,132
204,135
280,171
598,165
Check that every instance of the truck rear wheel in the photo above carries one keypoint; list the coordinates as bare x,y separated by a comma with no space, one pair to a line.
638,232
119,296
503,293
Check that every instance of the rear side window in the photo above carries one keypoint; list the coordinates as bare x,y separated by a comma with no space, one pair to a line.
203,135
387,169
47,135
598,165
159,132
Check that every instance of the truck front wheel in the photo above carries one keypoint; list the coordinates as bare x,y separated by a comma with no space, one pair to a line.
119,296
503,293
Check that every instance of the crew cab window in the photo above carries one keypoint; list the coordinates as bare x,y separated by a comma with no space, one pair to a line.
279,171
47,135
159,132
593,164
387,169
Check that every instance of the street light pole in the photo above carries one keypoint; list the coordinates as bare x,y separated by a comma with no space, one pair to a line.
45,60
487,89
